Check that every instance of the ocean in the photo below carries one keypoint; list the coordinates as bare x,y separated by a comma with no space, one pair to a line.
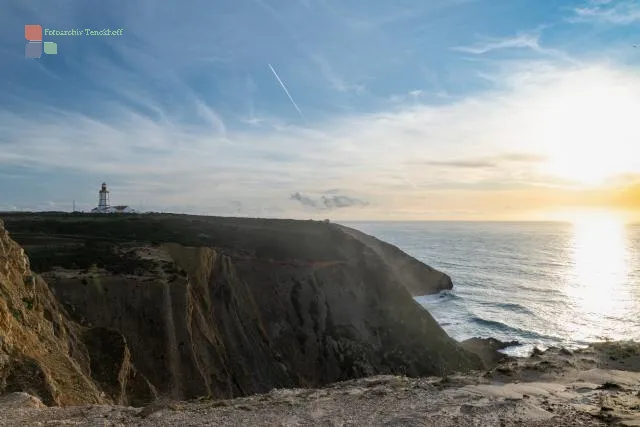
540,283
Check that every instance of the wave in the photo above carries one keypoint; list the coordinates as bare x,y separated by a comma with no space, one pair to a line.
449,296
440,297
511,330
510,307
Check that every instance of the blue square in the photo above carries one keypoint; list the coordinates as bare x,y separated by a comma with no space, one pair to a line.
33,50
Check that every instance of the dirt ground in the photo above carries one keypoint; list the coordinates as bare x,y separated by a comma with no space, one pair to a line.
592,387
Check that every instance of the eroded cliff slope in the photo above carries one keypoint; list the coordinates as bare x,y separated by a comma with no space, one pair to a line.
46,354
228,306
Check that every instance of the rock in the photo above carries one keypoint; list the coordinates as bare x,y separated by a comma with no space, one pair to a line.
156,407
113,370
566,351
608,385
487,349
19,400
40,348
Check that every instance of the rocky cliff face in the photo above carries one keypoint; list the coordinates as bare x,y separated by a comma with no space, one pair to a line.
45,353
243,306
41,351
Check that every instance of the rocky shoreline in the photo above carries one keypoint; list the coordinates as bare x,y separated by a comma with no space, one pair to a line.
557,387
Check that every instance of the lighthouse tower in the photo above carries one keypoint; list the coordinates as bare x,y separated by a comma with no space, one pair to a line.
103,200
104,206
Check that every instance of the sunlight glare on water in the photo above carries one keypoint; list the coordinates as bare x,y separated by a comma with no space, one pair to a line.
598,285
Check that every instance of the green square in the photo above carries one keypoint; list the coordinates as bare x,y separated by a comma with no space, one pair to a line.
50,48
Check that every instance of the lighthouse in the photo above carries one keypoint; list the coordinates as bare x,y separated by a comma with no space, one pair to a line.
105,207
103,197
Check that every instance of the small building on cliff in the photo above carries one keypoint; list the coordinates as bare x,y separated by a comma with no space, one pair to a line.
105,207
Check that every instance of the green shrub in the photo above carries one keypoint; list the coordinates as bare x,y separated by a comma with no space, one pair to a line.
28,302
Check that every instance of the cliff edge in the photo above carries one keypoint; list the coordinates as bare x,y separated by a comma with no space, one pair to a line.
184,306
555,388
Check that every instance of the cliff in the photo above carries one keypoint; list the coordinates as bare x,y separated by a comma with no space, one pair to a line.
183,306
45,353
36,340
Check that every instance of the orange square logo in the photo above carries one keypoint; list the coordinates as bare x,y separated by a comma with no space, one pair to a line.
33,32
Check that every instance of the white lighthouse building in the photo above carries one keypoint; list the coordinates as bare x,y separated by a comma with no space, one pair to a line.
103,197
105,207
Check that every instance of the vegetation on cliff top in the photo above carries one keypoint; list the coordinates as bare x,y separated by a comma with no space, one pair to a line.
76,240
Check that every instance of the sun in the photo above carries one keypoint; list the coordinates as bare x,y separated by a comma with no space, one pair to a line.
585,166
588,131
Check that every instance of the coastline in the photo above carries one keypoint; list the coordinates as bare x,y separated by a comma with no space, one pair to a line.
410,374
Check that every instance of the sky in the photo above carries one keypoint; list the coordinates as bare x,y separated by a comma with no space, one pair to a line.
340,109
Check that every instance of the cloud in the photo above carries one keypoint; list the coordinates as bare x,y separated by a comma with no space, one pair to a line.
484,162
384,14
624,12
250,89
524,40
212,118
328,202
461,163
337,82
488,44
337,201
523,157
305,200
254,121
332,191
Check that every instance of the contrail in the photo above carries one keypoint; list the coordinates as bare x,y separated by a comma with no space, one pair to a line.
287,92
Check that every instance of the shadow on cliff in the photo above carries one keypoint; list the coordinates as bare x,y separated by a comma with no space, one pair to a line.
186,306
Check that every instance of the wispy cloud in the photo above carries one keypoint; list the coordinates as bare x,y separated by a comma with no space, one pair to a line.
415,93
337,82
488,44
522,157
622,12
485,162
529,40
473,164
212,118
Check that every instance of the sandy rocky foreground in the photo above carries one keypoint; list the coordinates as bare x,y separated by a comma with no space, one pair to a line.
592,387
